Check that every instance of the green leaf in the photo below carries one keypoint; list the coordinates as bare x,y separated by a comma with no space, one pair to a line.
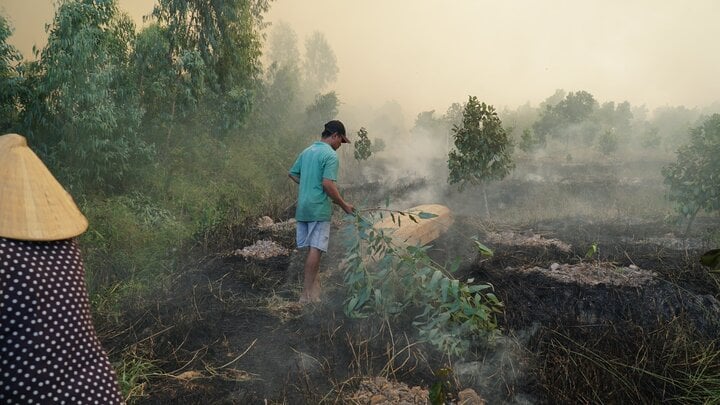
478,287
455,265
351,305
455,288
592,251
444,284
434,280
426,215
363,297
483,250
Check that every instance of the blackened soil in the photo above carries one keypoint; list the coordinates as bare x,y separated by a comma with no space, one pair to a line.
587,341
231,323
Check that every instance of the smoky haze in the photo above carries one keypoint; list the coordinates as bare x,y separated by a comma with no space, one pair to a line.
426,55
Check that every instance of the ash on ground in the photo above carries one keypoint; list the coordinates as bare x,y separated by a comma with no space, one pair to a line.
262,249
594,273
515,239
268,224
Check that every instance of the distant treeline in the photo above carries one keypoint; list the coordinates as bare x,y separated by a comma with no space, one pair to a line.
568,121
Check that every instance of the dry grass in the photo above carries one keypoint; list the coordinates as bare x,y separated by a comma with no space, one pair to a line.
610,365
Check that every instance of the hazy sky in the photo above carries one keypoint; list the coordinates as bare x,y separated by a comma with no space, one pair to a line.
427,54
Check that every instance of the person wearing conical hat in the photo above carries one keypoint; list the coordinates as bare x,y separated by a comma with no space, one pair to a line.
49,351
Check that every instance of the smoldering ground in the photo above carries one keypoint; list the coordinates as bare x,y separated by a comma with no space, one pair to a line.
233,321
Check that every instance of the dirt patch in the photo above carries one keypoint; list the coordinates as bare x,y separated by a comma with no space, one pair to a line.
381,391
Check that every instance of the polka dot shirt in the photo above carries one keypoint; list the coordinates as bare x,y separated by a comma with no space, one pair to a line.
49,352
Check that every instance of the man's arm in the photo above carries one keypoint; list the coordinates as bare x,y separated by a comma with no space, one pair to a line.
294,178
332,191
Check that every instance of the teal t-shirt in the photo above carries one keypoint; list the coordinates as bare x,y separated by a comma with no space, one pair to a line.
317,162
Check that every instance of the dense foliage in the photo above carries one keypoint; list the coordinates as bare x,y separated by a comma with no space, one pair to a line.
84,108
10,81
225,37
149,129
694,179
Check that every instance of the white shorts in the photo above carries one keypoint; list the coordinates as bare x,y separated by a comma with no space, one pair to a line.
315,234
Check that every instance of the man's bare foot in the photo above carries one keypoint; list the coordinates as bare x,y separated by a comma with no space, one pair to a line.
304,299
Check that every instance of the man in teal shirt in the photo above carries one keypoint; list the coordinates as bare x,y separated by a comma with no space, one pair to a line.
315,170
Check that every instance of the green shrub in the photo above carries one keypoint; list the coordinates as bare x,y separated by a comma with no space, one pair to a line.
130,237
389,280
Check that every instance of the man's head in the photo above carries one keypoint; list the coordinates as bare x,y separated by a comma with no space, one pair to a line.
334,133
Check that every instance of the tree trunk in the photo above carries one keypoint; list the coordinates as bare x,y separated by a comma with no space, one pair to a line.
487,207
690,222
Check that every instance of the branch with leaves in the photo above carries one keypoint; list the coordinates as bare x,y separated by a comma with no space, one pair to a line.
388,279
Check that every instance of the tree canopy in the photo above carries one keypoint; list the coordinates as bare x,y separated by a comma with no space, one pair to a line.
694,178
482,147
320,62
10,79
83,110
225,35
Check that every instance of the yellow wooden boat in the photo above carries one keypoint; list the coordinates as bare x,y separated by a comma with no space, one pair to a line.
406,232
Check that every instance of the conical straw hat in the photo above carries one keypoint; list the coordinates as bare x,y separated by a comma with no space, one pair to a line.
33,205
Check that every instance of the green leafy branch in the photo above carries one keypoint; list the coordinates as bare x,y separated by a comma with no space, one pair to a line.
388,279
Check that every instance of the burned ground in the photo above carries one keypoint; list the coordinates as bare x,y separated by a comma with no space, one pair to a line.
228,330
604,343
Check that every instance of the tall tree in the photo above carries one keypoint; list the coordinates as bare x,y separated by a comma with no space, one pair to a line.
576,107
553,100
279,102
11,85
277,107
454,114
170,88
674,124
227,36
482,147
320,65
426,124
323,109
84,112
283,45
570,116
